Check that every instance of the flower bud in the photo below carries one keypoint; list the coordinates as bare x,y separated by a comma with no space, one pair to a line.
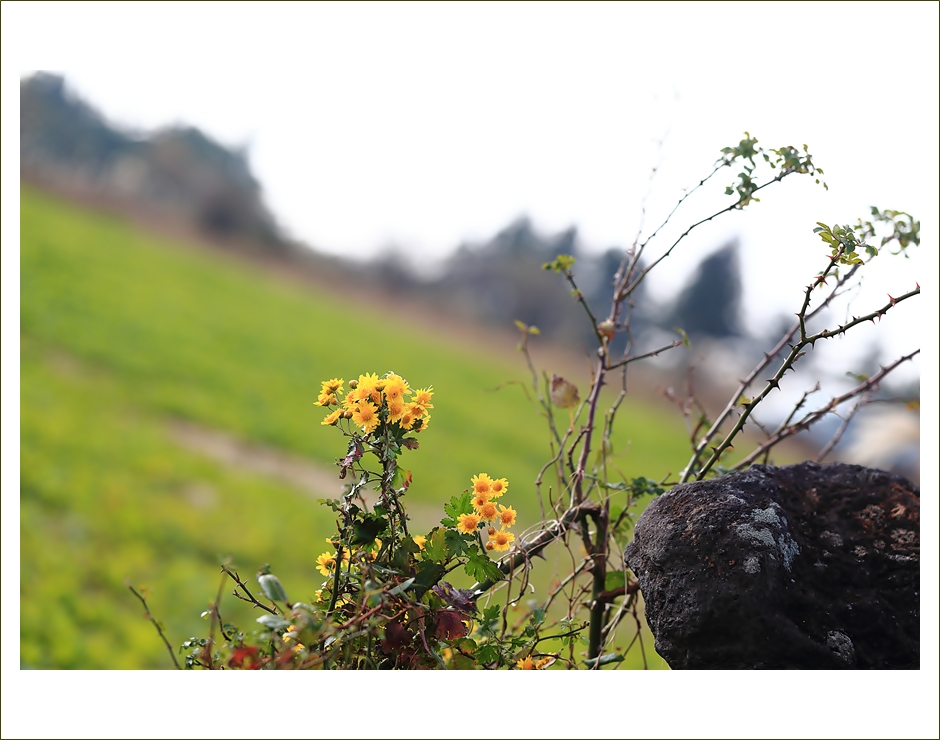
606,328
272,587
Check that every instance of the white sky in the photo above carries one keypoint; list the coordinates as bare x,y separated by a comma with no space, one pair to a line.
425,125
422,126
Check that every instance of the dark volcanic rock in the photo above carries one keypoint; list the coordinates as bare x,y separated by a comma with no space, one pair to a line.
804,566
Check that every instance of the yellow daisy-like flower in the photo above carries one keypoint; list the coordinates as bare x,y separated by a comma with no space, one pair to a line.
332,418
543,663
368,388
412,413
422,397
479,500
467,523
334,385
507,515
482,483
420,540
325,563
407,420
366,416
396,387
502,539
421,424
488,511
396,409
525,664
326,399
499,487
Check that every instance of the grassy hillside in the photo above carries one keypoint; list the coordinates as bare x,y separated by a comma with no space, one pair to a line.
122,332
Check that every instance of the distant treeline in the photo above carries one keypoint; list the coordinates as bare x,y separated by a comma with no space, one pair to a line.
181,173
178,171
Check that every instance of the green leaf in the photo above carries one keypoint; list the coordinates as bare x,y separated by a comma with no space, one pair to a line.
428,575
368,528
604,660
458,544
562,263
273,622
614,579
486,654
455,508
401,587
272,587
481,568
436,546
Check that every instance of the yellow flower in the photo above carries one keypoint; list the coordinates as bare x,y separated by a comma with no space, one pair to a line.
325,563
332,418
396,387
527,664
407,420
365,416
507,515
326,399
421,424
335,385
422,397
499,487
502,539
467,523
420,540
479,500
368,387
396,408
482,483
487,511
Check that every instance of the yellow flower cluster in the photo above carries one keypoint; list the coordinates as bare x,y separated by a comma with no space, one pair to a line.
327,561
372,400
485,509
527,664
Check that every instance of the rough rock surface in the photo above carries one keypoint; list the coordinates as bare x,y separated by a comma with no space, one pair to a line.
804,566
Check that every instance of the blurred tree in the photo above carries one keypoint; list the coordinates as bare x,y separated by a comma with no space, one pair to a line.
709,305
179,171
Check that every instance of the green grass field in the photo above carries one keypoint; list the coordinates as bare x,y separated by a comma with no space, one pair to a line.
123,332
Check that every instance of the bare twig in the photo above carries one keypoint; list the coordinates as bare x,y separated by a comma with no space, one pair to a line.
830,445
241,584
812,418
774,382
155,623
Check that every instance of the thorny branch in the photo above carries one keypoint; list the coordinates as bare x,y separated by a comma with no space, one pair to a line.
155,623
